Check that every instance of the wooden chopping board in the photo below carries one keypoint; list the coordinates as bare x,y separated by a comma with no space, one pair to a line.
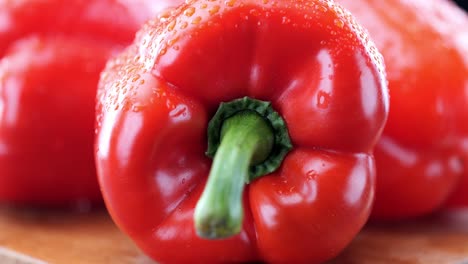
73,238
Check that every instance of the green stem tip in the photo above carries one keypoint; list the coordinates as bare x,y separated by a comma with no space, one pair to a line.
248,139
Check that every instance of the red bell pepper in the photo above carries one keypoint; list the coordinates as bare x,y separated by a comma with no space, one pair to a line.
426,54
51,55
302,68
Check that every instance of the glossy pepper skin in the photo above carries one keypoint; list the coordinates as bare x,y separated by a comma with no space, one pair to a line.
419,157
321,74
51,55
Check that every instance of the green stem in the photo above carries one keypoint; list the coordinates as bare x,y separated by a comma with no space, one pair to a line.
247,139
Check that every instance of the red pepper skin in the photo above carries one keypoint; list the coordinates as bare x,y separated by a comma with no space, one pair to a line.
425,51
319,71
51,55
459,198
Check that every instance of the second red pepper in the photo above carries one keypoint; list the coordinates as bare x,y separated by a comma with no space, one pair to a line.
419,158
51,55
319,79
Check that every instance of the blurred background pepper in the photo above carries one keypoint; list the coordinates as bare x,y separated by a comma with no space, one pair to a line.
422,153
51,55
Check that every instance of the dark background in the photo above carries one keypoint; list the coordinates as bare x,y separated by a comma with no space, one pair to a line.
462,3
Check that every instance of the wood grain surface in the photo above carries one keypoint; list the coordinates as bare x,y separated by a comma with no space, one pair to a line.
28,236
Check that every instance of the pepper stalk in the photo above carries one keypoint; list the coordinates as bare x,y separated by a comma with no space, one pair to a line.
247,139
